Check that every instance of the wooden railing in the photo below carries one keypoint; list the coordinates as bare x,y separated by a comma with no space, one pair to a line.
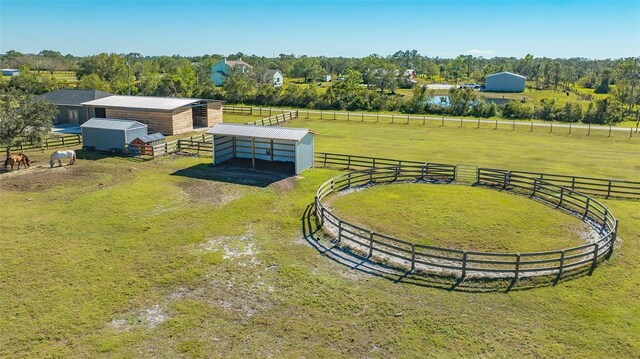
50,142
407,255
441,121
507,179
275,120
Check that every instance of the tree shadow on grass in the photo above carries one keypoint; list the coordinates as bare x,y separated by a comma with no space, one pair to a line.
240,176
327,246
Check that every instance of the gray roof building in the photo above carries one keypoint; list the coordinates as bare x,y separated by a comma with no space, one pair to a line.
69,104
505,82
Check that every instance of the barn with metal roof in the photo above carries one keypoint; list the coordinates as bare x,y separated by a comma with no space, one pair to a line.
107,134
167,115
269,148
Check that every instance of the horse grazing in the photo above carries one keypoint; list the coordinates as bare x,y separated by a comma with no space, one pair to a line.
59,155
17,158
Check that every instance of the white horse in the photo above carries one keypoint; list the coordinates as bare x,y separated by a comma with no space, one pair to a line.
59,155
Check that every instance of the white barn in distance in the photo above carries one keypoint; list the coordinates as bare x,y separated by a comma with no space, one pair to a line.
505,82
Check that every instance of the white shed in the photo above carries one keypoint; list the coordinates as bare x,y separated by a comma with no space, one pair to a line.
271,148
505,82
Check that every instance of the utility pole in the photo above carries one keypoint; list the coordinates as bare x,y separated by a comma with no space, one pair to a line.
128,74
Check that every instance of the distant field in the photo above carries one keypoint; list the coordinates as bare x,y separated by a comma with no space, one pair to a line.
117,257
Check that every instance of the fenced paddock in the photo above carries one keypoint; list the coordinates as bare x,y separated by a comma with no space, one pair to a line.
504,178
523,126
413,257
275,120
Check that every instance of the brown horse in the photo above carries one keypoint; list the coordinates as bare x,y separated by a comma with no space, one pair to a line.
19,158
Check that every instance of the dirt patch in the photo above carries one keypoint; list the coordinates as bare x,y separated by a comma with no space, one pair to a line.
241,249
40,177
149,317
285,185
209,192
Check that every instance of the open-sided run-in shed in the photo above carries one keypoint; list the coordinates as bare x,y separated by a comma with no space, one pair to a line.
272,147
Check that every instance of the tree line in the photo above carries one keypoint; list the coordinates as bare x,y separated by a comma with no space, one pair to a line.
367,83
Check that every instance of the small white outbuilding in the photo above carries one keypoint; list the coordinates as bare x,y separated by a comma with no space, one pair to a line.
505,82
269,148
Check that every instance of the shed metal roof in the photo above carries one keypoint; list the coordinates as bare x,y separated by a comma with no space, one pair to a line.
142,102
269,132
152,137
506,73
112,124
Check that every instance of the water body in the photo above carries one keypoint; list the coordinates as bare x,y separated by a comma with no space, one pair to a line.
444,100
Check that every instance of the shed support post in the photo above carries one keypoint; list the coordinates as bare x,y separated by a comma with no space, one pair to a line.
253,153
271,150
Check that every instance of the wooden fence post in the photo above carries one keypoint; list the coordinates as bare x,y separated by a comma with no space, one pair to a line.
531,130
517,266
334,115
442,125
325,165
609,190
609,131
478,126
589,131
460,121
595,257
377,117
424,120
495,128
348,116
370,244
413,257
561,266
362,119
513,126
586,208
464,264
569,130
339,230
407,119
393,116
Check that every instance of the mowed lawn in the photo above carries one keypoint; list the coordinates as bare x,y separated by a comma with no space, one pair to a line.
459,217
121,258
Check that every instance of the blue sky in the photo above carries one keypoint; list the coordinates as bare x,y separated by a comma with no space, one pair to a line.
563,28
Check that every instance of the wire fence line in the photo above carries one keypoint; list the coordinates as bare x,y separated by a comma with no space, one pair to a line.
603,187
410,256
441,121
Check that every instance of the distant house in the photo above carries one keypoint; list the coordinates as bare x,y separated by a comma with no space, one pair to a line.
167,115
505,82
10,72
69,104
326,78
410,76
221,70
274,77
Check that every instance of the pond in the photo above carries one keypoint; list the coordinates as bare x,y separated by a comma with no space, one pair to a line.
444,100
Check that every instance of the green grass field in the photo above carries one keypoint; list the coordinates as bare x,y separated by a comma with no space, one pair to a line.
116,257
460,217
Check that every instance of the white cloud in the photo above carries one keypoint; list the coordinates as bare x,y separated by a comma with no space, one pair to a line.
477,52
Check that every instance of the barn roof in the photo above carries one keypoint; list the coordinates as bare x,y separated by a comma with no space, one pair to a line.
112,124
151,137
269,132
143,102
506,73
72,97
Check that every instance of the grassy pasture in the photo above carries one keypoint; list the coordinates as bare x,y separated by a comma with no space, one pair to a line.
460,217
116,257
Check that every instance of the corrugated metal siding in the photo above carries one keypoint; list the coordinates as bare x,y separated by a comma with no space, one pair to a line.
505,82
112,124
103,139
304,153
222,149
